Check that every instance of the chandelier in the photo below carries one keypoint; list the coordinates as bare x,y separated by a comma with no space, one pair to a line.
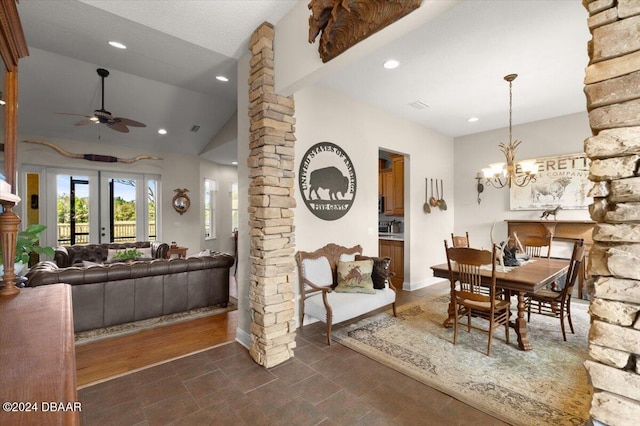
501,175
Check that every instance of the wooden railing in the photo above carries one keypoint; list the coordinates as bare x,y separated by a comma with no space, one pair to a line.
122,232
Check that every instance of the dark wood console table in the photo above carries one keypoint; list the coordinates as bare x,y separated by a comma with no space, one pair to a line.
560,230
37,354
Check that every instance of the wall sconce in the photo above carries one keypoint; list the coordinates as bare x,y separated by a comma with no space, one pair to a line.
479,186
2,101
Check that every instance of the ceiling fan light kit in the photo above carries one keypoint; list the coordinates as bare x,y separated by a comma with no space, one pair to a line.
102,116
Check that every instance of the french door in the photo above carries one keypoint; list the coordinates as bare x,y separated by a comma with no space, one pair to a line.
100,207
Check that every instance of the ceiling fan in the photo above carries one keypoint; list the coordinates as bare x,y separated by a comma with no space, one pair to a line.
103,116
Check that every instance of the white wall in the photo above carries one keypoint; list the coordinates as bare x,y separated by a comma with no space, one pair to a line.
361,130
556,136
176,171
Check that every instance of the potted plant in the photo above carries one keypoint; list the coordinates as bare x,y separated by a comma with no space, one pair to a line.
128,255
27,242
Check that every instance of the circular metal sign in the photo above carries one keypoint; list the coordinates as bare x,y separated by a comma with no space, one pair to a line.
327,181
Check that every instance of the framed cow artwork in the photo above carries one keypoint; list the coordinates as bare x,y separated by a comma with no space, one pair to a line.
327,181
561,181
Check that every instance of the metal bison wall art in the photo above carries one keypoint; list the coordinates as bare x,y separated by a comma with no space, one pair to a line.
327,181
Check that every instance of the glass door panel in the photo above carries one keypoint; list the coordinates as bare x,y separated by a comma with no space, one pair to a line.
73,218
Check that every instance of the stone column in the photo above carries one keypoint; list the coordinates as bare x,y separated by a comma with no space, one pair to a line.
271,199
613,101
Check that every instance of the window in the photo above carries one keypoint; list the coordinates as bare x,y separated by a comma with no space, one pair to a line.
234,207
210,188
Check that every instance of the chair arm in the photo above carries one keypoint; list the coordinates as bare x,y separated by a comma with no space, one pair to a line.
324,289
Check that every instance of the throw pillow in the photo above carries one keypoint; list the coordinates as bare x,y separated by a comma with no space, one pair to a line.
146,252
111,253
380,273
355,277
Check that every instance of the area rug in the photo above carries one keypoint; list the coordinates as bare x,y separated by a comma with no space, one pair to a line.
89,336
547,385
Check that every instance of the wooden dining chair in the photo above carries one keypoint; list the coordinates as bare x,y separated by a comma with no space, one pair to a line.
534,245
464,270
460,240
558,303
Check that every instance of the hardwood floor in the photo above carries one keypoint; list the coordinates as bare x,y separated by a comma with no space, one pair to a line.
109,358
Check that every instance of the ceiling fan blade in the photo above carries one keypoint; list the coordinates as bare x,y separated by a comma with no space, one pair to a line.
130,122
119,126
77,115
85,122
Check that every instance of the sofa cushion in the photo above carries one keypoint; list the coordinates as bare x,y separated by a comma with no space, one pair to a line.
355,277
346,306
380,274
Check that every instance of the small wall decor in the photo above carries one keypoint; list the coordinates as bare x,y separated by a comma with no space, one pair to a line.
94,157
181,201
344,23
560,181
327,181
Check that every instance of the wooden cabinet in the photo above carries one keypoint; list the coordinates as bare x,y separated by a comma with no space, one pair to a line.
397,168
560,230
394,250
387,191
391,186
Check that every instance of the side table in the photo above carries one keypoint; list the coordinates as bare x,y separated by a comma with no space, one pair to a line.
180,251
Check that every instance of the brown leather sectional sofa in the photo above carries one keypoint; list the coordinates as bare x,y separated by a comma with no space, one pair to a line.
118,293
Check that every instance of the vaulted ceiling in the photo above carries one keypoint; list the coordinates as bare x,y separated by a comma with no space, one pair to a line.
175,49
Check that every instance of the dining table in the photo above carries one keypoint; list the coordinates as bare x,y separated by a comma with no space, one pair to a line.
530,277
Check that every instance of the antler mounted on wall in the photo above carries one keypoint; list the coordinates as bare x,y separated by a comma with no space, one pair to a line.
344,23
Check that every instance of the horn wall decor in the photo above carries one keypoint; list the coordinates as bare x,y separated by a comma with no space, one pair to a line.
94,157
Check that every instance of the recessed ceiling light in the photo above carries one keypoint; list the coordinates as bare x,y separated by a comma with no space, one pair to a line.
235,163
473,119
222,78
117,44
391,64
162,131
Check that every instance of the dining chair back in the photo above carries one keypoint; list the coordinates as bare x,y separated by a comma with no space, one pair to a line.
468,300
558,303
460,240
534,245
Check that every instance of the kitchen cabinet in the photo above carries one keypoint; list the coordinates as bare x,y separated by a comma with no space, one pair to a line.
391,186
395,250
397,168
382,164
387,191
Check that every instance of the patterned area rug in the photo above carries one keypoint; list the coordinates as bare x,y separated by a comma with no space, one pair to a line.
547,385
89,336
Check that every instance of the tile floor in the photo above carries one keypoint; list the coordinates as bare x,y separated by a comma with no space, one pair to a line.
321,385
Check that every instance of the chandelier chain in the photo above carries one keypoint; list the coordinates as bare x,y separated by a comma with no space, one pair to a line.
510,108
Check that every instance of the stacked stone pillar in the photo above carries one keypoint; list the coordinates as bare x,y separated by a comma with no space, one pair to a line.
271,199
613,101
